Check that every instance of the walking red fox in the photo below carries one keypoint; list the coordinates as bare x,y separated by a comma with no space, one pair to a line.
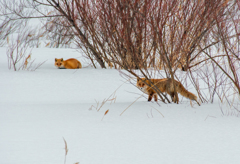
164,85
68,64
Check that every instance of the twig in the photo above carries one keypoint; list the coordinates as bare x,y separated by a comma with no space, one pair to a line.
131,104
66,150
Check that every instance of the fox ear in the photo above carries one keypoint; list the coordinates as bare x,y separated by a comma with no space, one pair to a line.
138,78
61,59
55,59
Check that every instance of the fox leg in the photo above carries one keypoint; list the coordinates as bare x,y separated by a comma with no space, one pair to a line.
155,97
174,97
79,65
150,96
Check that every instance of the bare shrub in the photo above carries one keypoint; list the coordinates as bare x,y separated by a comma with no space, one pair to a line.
223,59
140,33
19,52
153,38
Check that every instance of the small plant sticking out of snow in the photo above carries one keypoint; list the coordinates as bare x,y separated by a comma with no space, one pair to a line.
66,152
19,52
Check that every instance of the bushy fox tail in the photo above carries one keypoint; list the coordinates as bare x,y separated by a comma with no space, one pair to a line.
187,94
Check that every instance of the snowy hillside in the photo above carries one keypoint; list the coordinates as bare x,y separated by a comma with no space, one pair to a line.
39,108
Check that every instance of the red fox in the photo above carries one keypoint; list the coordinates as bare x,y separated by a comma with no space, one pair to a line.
68,64
164,85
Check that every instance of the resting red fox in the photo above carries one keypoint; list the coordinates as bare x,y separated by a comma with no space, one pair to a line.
164,85
68,64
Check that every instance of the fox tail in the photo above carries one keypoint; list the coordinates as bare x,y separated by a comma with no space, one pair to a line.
187,94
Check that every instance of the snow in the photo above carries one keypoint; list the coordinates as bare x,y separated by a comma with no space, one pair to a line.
39,108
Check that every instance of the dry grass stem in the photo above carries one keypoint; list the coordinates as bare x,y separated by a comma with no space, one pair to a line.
66,150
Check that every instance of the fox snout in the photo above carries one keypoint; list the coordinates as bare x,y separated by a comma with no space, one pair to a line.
141,88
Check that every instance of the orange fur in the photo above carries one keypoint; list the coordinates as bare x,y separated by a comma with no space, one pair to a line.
68,64
164,85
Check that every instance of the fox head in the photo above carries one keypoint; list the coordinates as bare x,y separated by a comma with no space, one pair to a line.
59,63
141,85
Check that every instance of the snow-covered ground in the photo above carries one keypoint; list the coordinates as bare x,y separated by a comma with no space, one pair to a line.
39,108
